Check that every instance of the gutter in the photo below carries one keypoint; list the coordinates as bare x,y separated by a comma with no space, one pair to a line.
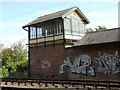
24,29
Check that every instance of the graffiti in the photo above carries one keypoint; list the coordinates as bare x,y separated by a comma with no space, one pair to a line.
80,65
108,64
105,63
45,64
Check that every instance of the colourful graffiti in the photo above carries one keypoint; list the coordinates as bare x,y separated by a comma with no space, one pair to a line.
80,65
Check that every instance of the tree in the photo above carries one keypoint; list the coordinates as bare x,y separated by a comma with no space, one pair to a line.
15,52
99,28
15,60
1,48
90,30
5,72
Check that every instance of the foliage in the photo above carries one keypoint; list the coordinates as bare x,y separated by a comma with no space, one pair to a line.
14,60
1,48
99,28
5,72
0,72
16,52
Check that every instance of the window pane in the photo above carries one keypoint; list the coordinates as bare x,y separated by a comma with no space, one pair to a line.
75,27
55,27
39,32
32,32
43,30
48,28
51,29
60,27
67,26
81,28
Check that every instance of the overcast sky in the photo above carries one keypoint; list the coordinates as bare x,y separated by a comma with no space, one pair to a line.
13,15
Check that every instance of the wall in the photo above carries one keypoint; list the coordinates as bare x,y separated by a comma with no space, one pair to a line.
45,61
100,61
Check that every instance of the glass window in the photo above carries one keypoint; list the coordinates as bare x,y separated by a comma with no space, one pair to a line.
60,27
57,27
51,28
67,26
81,28
46,29
32,32
75,27
43,30
39,32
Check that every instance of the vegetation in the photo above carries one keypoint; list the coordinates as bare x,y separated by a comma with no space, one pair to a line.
99,28
14,60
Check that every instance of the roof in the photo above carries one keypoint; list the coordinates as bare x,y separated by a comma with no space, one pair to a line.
104,36
55,15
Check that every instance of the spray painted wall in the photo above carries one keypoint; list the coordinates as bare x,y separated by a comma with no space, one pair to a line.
107,64
80,65
100,61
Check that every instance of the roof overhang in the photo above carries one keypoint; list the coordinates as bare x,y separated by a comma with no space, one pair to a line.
79,12
68,12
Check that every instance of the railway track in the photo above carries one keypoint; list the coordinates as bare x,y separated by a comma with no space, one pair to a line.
49,83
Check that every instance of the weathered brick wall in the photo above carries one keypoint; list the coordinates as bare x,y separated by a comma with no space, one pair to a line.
45,61
100,61
94,50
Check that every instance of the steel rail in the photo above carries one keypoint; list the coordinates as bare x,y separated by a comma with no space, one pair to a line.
64,83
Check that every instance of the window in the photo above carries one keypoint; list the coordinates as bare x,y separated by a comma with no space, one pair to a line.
57,27
51,29
39,32
43,29
81,28
75,27
67,26
46,29
32,32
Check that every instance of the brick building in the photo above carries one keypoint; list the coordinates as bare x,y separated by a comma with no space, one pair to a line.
96,55
59,48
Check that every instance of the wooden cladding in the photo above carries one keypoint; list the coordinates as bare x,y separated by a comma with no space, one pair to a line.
52,38
49,43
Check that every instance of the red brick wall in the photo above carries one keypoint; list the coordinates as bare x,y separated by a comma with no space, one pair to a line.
45,61
93,51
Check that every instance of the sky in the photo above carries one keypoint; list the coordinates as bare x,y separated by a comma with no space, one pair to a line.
15,14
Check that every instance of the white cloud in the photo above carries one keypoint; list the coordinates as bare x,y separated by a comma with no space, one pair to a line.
97,14
43,12
1,24
16,23
59,0
8,42
112,23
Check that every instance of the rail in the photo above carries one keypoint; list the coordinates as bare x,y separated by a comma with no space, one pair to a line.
50,83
